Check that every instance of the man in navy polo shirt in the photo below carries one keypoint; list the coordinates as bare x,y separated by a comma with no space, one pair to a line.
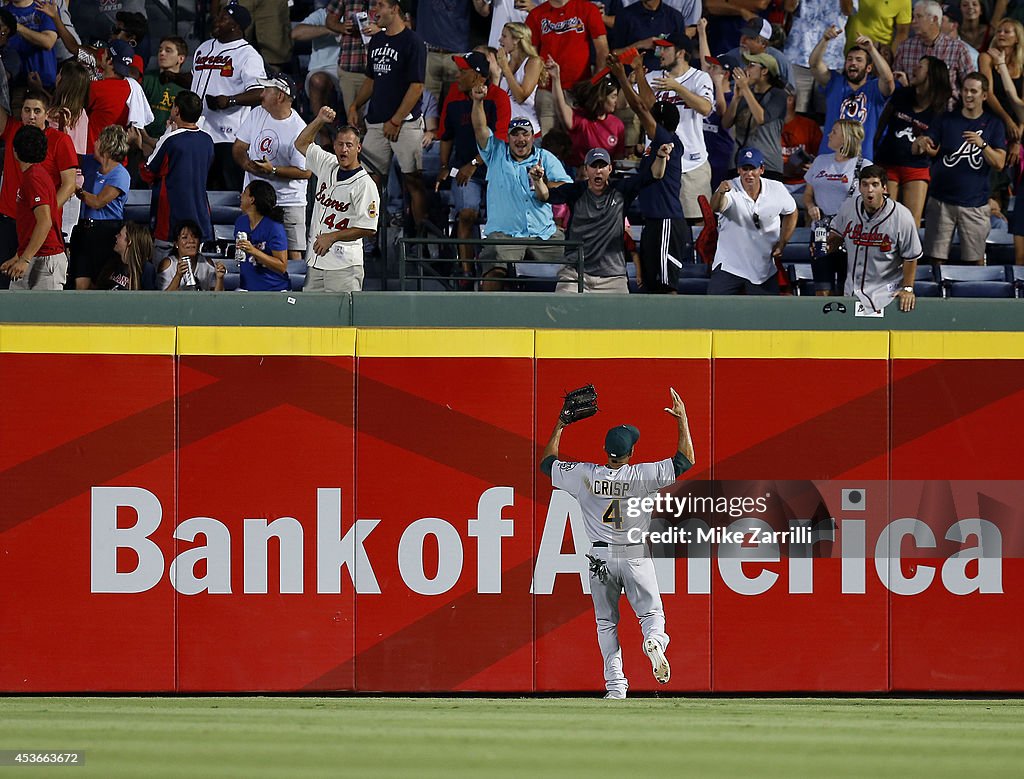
967,145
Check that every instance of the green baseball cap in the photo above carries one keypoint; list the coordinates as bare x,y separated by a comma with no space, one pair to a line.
619,440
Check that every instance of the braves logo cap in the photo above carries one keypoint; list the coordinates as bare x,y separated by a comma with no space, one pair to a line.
240,14
122,55
520,123
749,157
473,60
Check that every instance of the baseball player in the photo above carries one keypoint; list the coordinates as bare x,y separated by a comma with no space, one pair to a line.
882,244
344,209
609,496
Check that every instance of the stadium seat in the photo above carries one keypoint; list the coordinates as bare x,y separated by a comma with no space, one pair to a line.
1015,274
981,289
136,207
925,273
225,207
693,286
927,289
801,278
951,276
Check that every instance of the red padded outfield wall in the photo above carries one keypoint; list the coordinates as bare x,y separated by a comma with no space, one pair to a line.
287,509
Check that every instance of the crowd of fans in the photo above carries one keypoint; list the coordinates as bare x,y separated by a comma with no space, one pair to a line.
566,119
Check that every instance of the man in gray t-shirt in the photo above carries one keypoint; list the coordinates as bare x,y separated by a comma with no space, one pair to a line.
599,207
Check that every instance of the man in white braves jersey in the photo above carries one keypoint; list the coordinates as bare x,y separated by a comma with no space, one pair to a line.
225,73
693,93
609,495
344,211
880,236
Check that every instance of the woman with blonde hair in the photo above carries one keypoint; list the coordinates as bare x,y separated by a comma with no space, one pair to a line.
522,71
1008,49
103,196
830,180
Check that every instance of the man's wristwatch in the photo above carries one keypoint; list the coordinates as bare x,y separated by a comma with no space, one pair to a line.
907,289
273,171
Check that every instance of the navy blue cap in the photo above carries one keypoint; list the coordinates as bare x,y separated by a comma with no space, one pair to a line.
619,440
122,55
749,157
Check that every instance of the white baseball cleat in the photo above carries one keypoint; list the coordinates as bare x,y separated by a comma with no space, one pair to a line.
659,663
615,695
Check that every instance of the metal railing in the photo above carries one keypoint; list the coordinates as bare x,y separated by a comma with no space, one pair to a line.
425,273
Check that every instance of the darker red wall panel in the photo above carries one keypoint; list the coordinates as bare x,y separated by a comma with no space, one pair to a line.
81,422
435,434
258,437
634,392
801,420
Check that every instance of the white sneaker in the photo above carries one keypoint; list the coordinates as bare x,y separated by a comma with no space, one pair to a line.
615,695
659,663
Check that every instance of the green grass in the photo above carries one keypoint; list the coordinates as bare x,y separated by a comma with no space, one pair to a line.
478,737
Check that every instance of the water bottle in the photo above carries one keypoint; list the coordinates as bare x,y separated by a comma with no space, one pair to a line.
240,253
820,245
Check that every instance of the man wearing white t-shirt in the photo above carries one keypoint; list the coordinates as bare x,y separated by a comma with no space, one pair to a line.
756,218
344,211
693,93
265,148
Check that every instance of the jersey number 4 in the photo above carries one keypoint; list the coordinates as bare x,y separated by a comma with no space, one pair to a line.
612,515
342,223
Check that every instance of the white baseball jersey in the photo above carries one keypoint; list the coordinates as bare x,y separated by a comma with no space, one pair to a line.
273,140
690,129
225,69
343,199
877,246
606,495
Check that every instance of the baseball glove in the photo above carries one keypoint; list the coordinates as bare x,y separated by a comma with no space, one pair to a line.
579,404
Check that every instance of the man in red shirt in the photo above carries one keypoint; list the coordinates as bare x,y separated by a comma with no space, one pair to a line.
563,30
60,163
39,262
116,98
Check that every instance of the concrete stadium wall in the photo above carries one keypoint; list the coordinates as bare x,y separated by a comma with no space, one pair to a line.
356,508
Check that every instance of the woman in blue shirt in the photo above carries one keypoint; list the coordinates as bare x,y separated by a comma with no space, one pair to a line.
265,267
103,197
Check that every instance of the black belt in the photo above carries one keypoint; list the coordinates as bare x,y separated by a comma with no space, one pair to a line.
600,543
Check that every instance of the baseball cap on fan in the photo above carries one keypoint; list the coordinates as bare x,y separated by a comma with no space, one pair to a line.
122,55
473,60
240,14
757,28
520,123
280,81
597,154
619,441
749,157
678,40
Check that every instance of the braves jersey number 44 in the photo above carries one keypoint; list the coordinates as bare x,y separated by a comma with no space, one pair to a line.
610,498
343,199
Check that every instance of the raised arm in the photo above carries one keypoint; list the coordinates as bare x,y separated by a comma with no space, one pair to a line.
886,82
562,109
481,131
550,453
684,447
816,62
308,135
636,102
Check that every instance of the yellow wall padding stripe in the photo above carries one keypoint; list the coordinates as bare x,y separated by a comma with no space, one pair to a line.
957,346
436,342
86,339
800,344
269,341
612,344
